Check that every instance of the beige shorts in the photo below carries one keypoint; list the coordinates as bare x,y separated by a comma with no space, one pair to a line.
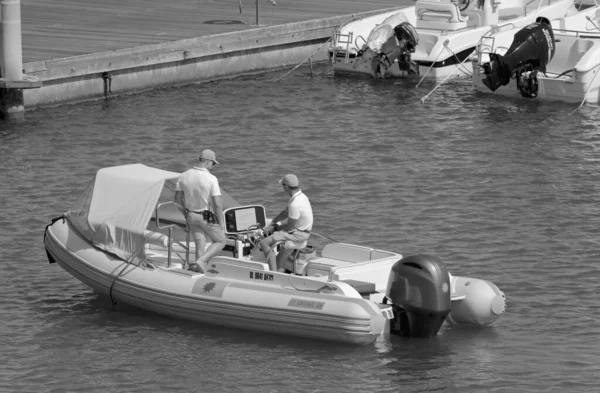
197,223
295,236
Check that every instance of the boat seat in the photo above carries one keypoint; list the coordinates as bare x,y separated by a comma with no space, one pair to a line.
380,254
346,252
439,15
339,254
290,264
290,245
322,266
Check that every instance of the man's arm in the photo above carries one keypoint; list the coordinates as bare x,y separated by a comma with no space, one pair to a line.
179,200
218,204
280,217
290,224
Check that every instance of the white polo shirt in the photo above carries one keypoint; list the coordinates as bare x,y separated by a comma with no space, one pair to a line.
299,208
198,186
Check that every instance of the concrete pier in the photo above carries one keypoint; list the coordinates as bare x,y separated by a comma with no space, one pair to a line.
12,81
89,49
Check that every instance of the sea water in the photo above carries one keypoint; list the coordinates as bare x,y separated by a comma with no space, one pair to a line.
506,190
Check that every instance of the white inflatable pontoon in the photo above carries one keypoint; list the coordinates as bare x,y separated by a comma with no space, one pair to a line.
125,238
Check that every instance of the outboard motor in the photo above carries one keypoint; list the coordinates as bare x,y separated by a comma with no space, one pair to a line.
399,46
408,40
531,51
419,289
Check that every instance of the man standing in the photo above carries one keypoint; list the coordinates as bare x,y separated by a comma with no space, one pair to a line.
297,229
198,192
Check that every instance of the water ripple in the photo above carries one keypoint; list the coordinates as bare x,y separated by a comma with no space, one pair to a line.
503,189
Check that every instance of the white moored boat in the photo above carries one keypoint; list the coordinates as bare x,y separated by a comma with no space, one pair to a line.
432,39
124,238
554,60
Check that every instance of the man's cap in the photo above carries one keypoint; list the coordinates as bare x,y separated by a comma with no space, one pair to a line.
208,154
290,180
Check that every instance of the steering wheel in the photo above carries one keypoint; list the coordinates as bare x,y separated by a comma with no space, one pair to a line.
253,234
465,4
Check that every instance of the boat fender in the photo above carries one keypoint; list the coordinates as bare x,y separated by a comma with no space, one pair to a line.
419,289
156,238
479,302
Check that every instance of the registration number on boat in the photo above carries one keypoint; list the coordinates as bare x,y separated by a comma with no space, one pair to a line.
261,276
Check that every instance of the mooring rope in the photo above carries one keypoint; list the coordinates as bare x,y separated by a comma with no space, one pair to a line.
586,91
110,291
431,66
592,22
303,61
317,51
447,76
460,65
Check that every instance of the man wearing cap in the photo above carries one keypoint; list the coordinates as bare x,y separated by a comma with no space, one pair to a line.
198,193
296,229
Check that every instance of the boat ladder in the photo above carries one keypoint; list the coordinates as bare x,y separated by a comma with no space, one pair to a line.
343,39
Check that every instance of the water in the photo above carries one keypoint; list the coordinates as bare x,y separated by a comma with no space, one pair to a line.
502,189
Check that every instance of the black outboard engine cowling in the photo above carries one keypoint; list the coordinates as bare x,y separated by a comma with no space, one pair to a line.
398,47
531,51
408,39
419,289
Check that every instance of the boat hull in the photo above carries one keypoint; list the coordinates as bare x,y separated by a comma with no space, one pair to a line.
265,305
570,75
565,89
441,53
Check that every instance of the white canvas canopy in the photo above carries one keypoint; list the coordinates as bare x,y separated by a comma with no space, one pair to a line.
116,208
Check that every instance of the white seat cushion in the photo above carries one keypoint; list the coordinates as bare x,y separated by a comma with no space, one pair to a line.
294,245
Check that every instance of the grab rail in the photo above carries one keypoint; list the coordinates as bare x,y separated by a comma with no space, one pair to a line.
170,230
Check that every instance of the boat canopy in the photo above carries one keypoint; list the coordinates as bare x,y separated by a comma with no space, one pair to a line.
115,209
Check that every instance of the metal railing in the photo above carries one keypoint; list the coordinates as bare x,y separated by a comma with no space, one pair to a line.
170,235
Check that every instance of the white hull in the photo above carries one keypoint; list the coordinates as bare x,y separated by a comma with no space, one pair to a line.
443,49
242,294
126,238
551,88
571,75
228,298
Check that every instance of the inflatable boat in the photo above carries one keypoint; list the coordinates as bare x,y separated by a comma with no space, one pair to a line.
126,238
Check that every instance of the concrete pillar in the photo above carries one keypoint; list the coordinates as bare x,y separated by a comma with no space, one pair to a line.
10,25
11,59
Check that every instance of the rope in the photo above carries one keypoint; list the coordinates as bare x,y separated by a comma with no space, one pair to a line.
586,91
460,65
352,18
592,22
435,88
431,66
303,61
110,291
442,82
62,216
